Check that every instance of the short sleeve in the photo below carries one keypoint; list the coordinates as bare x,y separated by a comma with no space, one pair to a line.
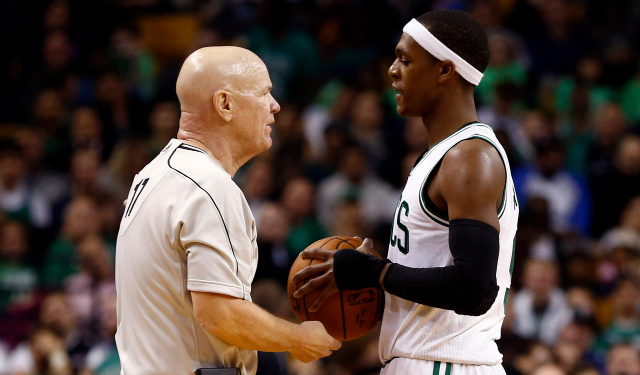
204,234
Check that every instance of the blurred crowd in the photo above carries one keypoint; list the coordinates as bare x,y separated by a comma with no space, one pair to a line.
87,98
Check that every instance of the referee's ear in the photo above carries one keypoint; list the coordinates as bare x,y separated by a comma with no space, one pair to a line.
222,105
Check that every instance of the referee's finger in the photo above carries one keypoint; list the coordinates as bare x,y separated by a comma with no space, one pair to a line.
317,253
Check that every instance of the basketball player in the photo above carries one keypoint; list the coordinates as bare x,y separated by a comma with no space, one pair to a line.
186,250
448,274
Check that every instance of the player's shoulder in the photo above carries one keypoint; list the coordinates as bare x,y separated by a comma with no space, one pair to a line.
473,156
200,171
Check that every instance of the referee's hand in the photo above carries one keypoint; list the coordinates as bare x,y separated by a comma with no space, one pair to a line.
315,342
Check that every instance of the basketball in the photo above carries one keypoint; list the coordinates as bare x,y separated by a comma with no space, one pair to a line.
346,315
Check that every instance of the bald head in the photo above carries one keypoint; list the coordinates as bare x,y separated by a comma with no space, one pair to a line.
211,69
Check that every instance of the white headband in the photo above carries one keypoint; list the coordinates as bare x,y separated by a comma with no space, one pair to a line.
441,52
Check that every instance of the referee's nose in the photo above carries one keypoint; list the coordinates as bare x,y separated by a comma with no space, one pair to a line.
274,106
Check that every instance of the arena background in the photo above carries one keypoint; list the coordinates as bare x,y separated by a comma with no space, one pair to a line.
87,98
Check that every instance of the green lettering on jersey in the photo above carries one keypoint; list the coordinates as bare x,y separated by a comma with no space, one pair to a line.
394,240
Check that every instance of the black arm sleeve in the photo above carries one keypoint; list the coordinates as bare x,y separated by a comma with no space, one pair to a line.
468,287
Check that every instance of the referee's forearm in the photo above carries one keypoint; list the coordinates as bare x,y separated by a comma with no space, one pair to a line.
243,324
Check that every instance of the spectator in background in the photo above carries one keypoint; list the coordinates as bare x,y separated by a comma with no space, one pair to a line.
102,358
62,339
43,354
627,233
625,323
62,260
133,62
113,106
257,186
289,53
86,132
127,159
19,199
18,280
87,290
51,182
18,284
503,118
548,369
163,120
290,148
623,360
568,195
4,358
577,129
588,75
272,296
613,189
366,126
504,66
537,126
541,311
275,258
355,182
298,199
610,127
630,97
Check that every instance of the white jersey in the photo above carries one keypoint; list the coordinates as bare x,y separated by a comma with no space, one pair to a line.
420,239
186,227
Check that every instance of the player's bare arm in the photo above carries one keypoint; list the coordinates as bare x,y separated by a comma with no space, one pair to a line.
245,325
469,186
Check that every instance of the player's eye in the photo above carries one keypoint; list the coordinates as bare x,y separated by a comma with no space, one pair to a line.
404,62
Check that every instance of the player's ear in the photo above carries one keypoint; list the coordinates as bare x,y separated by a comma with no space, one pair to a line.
223,105
447,71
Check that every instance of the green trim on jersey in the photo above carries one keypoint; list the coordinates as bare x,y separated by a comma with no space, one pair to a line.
436,368
425,154
434,212
448,369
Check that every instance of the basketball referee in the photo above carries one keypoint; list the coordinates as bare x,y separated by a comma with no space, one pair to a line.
186,252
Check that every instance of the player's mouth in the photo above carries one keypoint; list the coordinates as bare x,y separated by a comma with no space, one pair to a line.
399,92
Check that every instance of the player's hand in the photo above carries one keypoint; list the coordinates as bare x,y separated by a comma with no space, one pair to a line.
322,274
315,342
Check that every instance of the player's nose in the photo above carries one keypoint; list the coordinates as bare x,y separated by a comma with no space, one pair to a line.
393,70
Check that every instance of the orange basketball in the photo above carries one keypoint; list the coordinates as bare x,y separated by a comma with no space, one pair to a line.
346,315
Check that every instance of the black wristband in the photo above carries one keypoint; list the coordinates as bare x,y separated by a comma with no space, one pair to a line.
354,270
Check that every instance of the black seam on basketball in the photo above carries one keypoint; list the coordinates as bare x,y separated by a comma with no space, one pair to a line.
304,298
373,321
341,242
329,240
344,324
349,242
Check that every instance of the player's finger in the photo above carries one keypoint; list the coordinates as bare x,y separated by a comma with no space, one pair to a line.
310,286
124,203
317,253
357,238
326,293
366,247
310,271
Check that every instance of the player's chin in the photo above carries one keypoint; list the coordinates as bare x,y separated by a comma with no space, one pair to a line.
402,110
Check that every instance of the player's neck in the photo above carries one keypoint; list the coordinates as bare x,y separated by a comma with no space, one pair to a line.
448,116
